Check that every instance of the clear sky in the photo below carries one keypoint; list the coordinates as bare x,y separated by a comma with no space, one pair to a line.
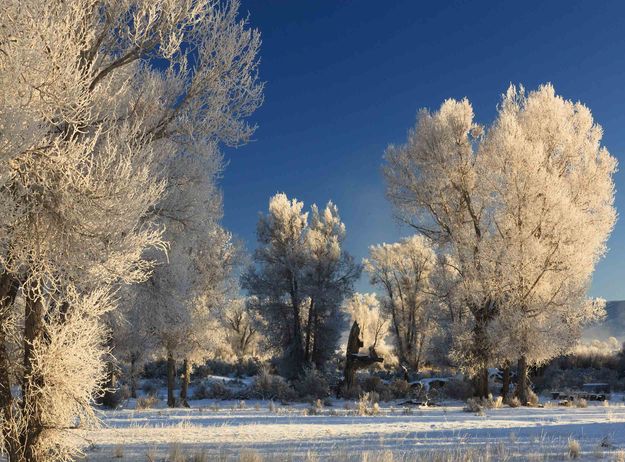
345,78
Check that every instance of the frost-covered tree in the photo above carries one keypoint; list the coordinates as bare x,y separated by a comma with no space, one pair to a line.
131,342
242,328
554,211
182,296
403,272
508,206
300,280
276,282
433,182
94,97
329,277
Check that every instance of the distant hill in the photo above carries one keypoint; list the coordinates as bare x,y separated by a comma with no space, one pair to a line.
612,326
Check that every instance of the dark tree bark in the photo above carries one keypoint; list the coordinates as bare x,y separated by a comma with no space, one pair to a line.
309,332
109,398
34,331
8,291
481,346
171,379
133,375
505,388
296,347
522,387
186,378
354,361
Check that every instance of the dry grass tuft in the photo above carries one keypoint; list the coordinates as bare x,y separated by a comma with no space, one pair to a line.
575,449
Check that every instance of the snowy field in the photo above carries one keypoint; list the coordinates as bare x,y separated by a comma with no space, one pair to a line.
259,430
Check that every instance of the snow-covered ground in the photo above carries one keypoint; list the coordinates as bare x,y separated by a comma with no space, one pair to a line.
221,430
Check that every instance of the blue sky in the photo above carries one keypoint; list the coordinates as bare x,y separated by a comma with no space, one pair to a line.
345,78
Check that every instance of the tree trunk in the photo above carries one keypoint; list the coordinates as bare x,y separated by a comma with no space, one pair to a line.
110,391
481,348
317,357
8,291
296,352
186,378
309,330
505,387
353,361
34,332
133,375
480,383
171,379
522,386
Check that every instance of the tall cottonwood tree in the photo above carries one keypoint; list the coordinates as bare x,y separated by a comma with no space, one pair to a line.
554,195
505,205
88,118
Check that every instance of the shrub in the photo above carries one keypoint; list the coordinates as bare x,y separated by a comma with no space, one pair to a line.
473,405
147,402
580,402
268,386
316,408
495,403
201,391
354,393
514,402
532,399
212,390
272,407
155,369
312,384
367,405
244,368
124,392
479,404
400,388
458,389
149,387
373,383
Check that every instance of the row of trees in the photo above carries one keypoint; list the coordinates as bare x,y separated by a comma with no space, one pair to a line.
511,220
519,214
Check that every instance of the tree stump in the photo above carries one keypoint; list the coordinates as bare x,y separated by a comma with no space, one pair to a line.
354,360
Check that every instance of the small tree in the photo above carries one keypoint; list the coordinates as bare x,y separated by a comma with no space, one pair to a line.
242,327
403,271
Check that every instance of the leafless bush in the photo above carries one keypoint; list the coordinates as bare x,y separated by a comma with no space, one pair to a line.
312,384
147,402
268,386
